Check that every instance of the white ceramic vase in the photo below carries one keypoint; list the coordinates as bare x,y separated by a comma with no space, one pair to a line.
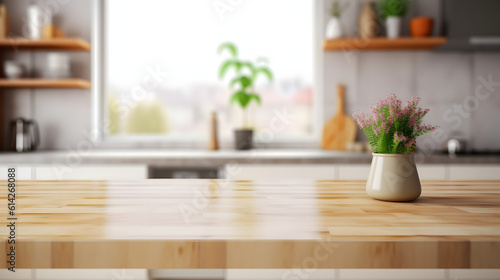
394,26
333,28
393,177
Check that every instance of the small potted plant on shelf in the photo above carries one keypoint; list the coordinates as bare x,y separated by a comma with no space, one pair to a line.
393,11
392,130
242,84
334,28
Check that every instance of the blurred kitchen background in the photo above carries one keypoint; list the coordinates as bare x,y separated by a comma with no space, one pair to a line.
126,89
179,41
137,82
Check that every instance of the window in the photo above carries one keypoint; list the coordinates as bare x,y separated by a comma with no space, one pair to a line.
161,66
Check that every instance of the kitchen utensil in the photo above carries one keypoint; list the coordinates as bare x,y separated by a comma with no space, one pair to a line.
341,129
13,70
456,146
25,135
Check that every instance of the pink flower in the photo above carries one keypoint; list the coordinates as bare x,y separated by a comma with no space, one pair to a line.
398,138
389,113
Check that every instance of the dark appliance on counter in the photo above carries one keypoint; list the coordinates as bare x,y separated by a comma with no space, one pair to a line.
158,172
25,136
472,25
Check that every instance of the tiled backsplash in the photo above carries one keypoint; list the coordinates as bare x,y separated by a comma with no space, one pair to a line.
446,81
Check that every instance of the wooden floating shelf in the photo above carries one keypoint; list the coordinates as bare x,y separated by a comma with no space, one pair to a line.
404,43
73,44
42,83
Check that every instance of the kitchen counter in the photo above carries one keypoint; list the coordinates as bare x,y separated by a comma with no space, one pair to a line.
179,158
225,224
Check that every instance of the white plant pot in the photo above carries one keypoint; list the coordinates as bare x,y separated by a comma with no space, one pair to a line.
394,26
393,177
333,29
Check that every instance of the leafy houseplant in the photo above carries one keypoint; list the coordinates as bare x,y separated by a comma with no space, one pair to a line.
242,84
393,11
392,130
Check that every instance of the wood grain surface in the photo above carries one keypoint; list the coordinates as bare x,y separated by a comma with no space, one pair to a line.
76,44
42,83
244,224
382,43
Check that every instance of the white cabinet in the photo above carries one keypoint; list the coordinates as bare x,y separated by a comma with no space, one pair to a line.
179,274
20,274
91,274
392,274
432,172
474,274
361,171
22,172
268,274
474,172
353,171
281,172
294,172
79,172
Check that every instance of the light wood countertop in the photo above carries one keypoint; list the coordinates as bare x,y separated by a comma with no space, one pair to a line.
223,224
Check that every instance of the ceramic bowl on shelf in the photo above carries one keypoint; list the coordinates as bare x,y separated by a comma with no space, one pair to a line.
13,70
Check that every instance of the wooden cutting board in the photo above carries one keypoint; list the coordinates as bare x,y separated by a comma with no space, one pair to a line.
341,129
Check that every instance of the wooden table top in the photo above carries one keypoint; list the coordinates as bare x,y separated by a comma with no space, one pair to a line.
245,224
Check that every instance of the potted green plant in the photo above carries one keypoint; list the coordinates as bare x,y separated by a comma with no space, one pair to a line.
392,130
393,11
242,85
334,27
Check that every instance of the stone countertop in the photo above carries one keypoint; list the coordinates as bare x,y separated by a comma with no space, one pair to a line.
202,158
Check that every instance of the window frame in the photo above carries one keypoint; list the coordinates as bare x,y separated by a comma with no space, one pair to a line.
98,100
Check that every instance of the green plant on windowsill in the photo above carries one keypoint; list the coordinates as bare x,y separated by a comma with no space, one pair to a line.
243,81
